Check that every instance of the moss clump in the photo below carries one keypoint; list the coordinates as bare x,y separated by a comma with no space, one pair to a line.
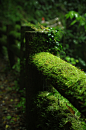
51,116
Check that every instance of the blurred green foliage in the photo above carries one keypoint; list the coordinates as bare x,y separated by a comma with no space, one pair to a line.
74,41
75,25
31,10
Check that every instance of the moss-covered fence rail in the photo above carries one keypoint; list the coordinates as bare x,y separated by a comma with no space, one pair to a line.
66,78
42,66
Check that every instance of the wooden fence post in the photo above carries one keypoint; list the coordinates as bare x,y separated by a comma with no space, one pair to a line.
22,55
35,42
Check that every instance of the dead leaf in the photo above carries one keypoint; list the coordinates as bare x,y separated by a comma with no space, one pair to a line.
7,126
70,109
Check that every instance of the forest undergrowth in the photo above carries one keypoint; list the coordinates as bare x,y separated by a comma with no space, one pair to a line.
11,117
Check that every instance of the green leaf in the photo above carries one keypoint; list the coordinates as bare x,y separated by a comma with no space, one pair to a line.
67,58
77,61
73,22
82,62
82,23
50,94
11,100
67,16
8,117
49,34
72,59
76,15
72,14
73,62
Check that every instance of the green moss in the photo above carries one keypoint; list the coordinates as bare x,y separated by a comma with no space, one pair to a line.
67,79
33,38
53,66
51,116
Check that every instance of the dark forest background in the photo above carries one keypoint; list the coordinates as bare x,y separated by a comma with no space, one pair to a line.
74,38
